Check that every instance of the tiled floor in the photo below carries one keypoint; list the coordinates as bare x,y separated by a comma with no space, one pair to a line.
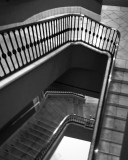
117,17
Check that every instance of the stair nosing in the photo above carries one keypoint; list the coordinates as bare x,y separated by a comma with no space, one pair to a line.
110,141
120,69
115,117
100,151
117,105
118,93
112,129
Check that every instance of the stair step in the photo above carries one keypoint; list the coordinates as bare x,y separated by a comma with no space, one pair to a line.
17,152
40,129
120,69
5,155
31,143
25,149
32,137
113,136
115,124
117,99
116,111
44,127
106,156
109,148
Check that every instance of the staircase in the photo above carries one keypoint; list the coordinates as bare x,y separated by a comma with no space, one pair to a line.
113,126
34,135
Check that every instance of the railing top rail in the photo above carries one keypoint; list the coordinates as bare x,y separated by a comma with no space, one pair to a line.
53,18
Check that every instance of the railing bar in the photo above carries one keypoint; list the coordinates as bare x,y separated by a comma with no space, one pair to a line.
70,30
52,39
23,47
50,35
5,58
53,34
101,36
104,38
90,32
18,49
97,34
82,28
86,30
108,39
2,67
75,29
38,41
45,38
9,52
34,41
13,49
31,44
47,33
78,29
42,35
41,39
62,30
59,32
27,46
111,41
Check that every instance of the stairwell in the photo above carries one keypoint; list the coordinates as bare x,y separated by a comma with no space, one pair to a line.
115,115
33,136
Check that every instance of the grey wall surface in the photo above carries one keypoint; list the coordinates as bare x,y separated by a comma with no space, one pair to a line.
15,11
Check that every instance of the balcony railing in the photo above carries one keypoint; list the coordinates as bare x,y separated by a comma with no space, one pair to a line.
22,46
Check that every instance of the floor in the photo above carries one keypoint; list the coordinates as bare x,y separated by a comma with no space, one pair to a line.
117,17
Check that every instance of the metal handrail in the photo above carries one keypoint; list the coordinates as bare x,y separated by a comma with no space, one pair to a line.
23,45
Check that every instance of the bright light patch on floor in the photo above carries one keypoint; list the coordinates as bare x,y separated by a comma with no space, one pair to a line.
71,149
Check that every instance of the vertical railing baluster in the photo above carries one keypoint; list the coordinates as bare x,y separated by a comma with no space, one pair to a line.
13,49
18,49
4,56
9,52
111,41
27,46
34,41
38,41
82,28
22,45
50,36
97,35
86,30
78,25
53,34
104,38
31,44
43,38
90,32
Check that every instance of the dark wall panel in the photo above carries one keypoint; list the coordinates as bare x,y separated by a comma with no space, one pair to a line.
15,11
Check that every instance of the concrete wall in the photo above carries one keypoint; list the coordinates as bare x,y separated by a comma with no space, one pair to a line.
15,11
87,71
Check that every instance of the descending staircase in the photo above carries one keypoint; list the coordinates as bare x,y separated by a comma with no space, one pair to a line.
116,107
33,136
